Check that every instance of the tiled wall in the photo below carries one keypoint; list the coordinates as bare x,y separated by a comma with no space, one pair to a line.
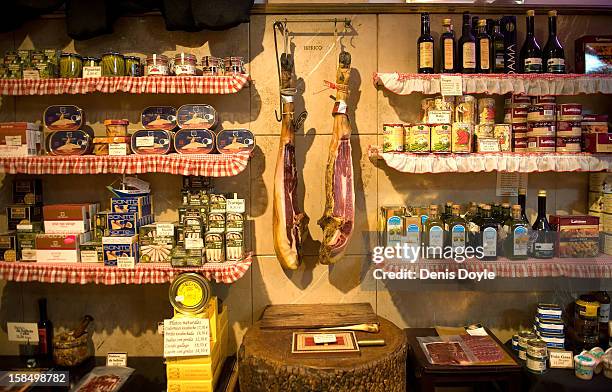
127,316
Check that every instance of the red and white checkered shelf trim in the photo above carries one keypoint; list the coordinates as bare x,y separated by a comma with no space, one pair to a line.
597,268
489,162
530,84
144,273
209,165
128,84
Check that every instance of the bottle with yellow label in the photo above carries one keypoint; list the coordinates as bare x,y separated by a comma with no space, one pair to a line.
425,47
447,47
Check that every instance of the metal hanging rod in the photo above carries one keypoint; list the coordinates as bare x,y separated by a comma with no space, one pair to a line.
346,21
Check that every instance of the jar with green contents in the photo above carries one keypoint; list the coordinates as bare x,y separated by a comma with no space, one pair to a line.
91,61
71,65
132,66
113,64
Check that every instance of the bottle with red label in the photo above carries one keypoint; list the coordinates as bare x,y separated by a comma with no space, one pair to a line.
45,331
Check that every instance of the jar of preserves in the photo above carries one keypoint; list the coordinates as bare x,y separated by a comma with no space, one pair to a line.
71,65
185,64
113,64
157,64
586,321
211,65
132,66
91,61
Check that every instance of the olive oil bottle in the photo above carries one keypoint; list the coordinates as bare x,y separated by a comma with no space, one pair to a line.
483,48
517,242
489,230
434,234
472,226
505,214
457,230
445,216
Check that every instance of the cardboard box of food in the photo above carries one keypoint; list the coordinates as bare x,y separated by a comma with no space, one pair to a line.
18,139
115,247
27,191
68,218
8,246
140,205
126,224
598,142
578,235
59,248
23,214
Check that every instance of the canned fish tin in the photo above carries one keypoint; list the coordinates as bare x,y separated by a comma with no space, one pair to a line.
465,109
541,128
569,128
486,111
518,113
393,138
64,118
420,138
159,117
69,142
189,293
462,137
522,353
569,144
536,365
520,144
196,116
194,141
151,142
544,99
542,144
520,129
549,311
541,112
441,138
515,342
504,134
521,100
230,141
537,348
569,112
524,337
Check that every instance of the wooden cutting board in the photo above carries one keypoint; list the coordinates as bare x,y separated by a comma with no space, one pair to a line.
317,316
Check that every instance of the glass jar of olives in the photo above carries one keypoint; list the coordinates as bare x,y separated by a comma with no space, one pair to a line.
71,65
113,64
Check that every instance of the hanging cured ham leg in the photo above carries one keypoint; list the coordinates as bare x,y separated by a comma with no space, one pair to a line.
338,220
289,224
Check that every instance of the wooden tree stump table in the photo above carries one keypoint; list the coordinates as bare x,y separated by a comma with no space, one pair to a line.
267,364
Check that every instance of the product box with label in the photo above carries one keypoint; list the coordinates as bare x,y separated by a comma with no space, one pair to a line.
126,224
26,245
91,252
8,246
59,248
19,139
182,257
23,214
115,247
27,191
140,205
101,225
66,218
578,235
594,54
598,142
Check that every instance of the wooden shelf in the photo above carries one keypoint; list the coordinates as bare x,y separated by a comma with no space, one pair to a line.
530,84
209,165
127,84
490,162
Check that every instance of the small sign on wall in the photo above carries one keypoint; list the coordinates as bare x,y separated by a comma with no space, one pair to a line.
22,332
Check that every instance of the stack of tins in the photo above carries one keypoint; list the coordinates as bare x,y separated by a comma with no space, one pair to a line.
569,131
541,127
516,114
595,133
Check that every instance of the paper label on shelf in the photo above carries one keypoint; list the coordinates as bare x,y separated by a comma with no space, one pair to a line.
22,332
116,359
439,117
194,243
560,359
508,184
25,227
186,337
164,230
145,141
480,331
451,85
31,74
89,256
126,262
235,205
324,338
92,72
117,149
13,140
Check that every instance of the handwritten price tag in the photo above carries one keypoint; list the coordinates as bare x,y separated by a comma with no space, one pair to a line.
451,85
186,337
22,332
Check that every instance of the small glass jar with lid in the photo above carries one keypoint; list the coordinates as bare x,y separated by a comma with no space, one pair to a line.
113,64
212,66
185,64
132,66
91,61
71,65
157,64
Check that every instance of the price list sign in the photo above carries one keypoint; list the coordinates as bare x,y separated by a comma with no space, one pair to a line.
186,337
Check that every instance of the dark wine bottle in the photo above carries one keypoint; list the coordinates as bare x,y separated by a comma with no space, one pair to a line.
483,48
531,54
425,47
447,48
522,201
498,47
543,245
467,47
554,56
475,20
45,331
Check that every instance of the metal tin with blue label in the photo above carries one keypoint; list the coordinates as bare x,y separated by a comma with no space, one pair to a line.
151,141
196,116
77,142
159,117
63,118
194,141
235,140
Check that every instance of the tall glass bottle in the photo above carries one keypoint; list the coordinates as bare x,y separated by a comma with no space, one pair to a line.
425,47
457,229
489,231
434,234
45,331
505,214
467,48
447,48
543,237
473,228
498,48
531,54
483,48
445,216
517,242
474,24
522,201
553,55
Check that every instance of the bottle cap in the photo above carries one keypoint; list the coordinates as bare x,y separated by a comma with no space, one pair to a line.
516,207
486,207
522,191
542,192
446,22
433,207
530,13
449,203
552,13
506,205
456,207
482,23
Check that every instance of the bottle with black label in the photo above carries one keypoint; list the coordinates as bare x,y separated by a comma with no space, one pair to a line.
447,47
434,234
543,237
425,47
45,331
489,231
483,48
531,54
498,48
467,47
554,56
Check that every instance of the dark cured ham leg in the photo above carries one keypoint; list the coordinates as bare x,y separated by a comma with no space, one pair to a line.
339,216
289,224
